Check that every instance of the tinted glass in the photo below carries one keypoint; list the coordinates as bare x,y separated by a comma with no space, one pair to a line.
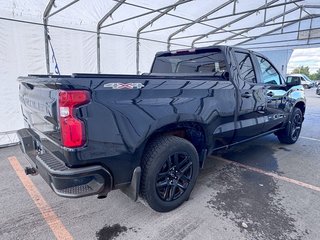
245,67
292,79
198,63
268,72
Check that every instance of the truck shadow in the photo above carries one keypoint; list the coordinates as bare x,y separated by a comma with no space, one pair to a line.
258,153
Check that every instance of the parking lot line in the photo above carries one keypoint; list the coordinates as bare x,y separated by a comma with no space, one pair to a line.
314,139
274,175
48,214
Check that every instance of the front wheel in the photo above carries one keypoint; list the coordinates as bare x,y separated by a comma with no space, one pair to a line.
170,168
291,133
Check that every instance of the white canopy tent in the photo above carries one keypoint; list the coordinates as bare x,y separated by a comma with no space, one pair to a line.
122,36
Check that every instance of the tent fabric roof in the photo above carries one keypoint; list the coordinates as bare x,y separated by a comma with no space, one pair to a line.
185,23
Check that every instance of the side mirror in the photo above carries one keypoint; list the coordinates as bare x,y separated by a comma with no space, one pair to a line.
293,81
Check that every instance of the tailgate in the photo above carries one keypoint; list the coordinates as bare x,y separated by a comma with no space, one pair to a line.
39,107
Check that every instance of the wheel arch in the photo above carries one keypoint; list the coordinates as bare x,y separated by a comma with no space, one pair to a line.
192,131
302,106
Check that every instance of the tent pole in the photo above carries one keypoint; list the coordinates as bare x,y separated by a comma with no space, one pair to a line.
150,23
229,23
310,27
46,16
102,20
46,35
224,16
271,33
238,29
61,9
260,25
198,20
150,11
274,30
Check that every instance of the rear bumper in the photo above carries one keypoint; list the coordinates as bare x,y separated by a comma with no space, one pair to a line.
65,181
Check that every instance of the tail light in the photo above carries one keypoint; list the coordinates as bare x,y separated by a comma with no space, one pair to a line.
72,129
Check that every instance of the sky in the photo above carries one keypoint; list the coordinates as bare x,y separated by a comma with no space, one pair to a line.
305,57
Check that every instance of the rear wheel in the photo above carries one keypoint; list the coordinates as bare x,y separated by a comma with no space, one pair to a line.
291,133
169,171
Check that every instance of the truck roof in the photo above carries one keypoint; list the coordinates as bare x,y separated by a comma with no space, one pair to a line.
295,75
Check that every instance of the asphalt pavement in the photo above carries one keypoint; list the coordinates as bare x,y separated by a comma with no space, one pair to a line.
258,190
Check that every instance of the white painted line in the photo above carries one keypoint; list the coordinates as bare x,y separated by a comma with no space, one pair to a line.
314,139
274,175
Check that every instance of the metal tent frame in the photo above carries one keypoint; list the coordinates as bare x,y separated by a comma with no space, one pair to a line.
237,34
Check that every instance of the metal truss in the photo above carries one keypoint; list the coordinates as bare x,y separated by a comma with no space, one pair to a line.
239,33
276,29
148,24
222,29
224,16
229,24
244,28
198,20
150,11
259,25
160,10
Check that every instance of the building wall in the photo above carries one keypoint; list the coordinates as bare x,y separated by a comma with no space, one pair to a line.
279,58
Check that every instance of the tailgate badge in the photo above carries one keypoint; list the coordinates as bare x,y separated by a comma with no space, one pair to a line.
124,85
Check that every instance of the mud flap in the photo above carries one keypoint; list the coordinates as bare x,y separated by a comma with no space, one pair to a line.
132,190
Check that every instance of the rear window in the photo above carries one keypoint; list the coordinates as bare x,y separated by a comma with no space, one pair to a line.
192,63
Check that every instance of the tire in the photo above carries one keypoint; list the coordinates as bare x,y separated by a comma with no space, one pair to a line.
170,167
291,133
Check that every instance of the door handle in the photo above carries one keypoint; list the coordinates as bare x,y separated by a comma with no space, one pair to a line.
270,94
246,95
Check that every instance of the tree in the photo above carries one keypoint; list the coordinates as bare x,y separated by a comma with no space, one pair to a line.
302,70
316,75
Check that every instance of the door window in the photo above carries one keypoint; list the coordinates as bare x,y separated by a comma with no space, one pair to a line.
269,74
293,79
246,69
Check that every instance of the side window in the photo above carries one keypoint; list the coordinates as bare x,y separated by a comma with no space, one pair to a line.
268,73
245,67
291,79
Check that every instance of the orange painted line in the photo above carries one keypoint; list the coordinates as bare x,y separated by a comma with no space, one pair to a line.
274,175
48,214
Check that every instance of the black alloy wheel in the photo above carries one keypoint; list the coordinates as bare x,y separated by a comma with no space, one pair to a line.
170,167
291,132
296,124
174,176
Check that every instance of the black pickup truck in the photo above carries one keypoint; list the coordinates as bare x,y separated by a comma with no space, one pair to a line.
148,135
